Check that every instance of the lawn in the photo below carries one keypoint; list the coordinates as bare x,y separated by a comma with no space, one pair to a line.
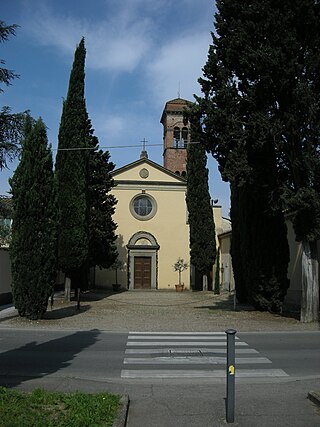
45,409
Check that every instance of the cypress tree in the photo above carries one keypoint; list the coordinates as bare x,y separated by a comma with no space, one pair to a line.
102,237
72,177
200,214
271,52
33,245
237,133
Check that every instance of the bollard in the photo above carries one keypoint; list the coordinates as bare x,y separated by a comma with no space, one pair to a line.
231,370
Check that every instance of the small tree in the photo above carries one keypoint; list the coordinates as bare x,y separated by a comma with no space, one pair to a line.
33,245
116,266
180,266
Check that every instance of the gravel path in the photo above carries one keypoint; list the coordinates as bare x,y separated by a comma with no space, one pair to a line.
155,311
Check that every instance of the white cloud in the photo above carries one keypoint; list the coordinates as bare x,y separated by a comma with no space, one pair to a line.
178,64
107,126
117,43
117,51
49,30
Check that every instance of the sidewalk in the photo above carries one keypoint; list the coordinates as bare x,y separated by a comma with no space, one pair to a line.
188,404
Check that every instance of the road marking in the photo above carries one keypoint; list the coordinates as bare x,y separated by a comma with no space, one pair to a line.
192,360
221,373
182,343
188,350
177,333
175,337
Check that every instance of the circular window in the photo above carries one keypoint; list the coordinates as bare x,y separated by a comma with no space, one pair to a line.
143,207
144,173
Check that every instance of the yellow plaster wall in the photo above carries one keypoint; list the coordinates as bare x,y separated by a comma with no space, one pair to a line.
226,275
217,217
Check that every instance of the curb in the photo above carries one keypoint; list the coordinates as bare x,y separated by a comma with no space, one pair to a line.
121,419
314,396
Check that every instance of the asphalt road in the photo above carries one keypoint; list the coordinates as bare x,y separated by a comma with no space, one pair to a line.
297,353
112,356
27,354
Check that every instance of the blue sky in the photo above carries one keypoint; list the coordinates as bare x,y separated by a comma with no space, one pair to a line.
140,54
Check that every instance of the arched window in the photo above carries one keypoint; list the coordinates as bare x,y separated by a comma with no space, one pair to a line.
177,173
176,137
184,174
184,137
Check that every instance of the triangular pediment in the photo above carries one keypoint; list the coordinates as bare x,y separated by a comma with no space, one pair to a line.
145,170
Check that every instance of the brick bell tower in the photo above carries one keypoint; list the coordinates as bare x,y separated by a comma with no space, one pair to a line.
176,136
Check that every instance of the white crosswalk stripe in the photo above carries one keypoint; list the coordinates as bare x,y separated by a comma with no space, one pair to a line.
197,354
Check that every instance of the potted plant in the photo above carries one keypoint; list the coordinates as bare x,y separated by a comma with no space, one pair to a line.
117,265
180,266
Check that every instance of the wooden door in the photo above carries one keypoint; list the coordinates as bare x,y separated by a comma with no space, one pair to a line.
142,272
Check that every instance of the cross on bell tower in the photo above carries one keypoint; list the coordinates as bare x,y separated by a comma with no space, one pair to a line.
176,136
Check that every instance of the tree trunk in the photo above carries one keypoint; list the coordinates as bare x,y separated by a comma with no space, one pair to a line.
204,282
67,288
310,283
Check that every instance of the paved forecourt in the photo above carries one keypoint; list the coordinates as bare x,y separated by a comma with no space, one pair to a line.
165,355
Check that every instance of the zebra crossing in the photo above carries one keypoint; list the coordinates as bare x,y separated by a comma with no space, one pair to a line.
190,355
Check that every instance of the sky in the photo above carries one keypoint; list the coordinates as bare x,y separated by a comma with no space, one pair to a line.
140,54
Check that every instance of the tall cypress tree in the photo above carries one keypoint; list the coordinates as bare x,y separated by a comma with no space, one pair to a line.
72,177
201,222
269,52
102,237
238,135
33,245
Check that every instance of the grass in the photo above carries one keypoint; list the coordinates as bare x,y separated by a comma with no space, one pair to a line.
45,409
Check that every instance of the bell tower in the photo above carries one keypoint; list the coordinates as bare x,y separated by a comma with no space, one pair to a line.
176,136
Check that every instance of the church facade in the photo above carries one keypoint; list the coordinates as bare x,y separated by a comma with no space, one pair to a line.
151,213
152,227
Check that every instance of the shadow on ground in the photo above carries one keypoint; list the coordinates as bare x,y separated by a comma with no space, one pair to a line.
228,305
64,312
37,357
89,295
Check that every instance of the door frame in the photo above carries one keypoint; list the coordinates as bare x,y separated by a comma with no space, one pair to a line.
137,250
